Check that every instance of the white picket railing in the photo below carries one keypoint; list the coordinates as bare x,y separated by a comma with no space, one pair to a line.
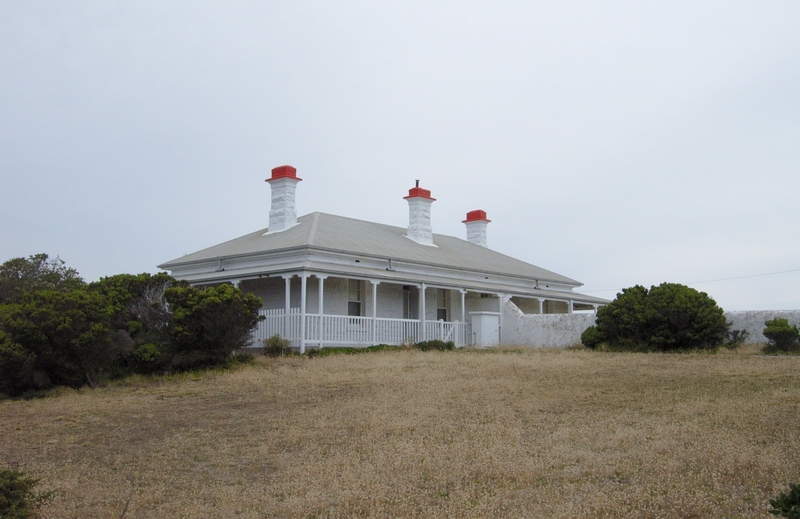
275,324
448,331
342,330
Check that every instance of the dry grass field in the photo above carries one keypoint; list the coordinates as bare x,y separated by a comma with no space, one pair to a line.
538,433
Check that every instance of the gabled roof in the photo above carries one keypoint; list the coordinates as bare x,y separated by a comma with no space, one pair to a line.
347,235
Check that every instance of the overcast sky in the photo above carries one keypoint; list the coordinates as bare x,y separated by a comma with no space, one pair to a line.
617,143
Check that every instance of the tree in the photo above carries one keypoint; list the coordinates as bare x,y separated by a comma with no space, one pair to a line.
16,366
141,317
782,336
137,297
18,500
210,324
665,318
20,276
68,335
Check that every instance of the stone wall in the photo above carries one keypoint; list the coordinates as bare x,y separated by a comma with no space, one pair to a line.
561,330
753,321
542,330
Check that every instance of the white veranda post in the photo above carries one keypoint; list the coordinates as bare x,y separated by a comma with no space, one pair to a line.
422,335
287,303
321,281
374,309
303,290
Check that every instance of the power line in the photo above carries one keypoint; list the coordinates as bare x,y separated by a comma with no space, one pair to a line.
714,280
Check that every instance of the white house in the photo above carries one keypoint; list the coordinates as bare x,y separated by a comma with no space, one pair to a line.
329,280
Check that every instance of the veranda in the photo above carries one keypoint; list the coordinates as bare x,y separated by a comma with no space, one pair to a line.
340,330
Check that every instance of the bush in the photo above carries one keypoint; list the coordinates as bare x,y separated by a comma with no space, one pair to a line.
147,358
66,335
591,338
275,346
209,324
21,276
781,336
667,317
787,505
138,300
344,350
436,345
17,498
735,338
56,330
16,366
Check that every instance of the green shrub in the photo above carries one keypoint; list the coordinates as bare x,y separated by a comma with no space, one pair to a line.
667,317
591,338
276,346
735,338
787,505
781,336
68,333
147,353
436,345
17,497
344,350
21,276
238,360
147,358
57,330
208,325
16,366
138,301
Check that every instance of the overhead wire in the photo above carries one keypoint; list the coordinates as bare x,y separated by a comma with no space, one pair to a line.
714,280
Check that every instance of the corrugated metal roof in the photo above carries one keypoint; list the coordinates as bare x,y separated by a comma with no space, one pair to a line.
348,235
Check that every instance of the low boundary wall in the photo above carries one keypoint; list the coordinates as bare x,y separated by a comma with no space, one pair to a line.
753,321
562,330
542,330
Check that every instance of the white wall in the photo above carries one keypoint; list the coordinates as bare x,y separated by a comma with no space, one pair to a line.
753,321
475,303
270,290
527,304
542,330
560,330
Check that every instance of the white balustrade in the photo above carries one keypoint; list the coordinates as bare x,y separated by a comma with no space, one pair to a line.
342,330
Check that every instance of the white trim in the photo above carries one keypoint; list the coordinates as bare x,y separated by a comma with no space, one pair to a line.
355,331
287,303
422,312
374,307
463,305
303,295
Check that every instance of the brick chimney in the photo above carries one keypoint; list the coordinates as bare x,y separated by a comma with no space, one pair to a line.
476,223
419,215
282,214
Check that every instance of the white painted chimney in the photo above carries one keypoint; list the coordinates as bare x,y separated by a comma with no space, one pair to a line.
419,215
477,223
282,214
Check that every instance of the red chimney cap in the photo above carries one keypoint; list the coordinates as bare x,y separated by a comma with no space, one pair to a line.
476,215
283,172
418,192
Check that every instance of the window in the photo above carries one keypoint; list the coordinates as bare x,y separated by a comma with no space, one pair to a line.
354,298
441,304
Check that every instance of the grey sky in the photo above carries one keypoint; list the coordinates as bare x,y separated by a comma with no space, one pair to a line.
617,143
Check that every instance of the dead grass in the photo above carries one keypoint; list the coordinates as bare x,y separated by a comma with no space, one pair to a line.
539,433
